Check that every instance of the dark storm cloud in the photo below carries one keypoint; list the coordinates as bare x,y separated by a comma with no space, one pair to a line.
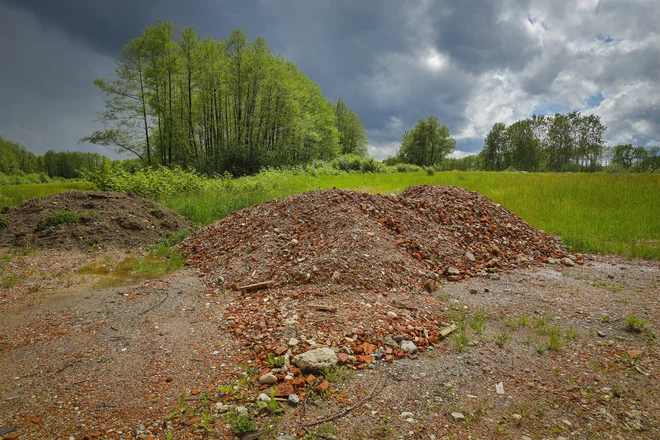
471,63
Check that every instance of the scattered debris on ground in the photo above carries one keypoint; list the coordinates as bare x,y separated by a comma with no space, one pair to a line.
337,314
88,220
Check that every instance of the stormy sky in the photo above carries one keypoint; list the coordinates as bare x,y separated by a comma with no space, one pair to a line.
472,63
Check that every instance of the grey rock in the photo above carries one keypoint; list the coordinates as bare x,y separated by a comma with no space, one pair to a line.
552,261
268,379
470,257
316,359
293,399
399,338
263,397
453,271
390,342
459,417
601,334
293,342
494,276
335,278
409,347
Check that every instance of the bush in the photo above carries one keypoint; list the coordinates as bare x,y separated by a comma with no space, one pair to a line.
634,324
59,218
357,164
148,182
67,217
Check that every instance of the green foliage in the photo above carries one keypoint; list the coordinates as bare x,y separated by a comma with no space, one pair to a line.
570,142
593,213
240,422
353,163
218,106
502,339
275,361
158,213
478,321
428,143
67,217
636,325
352,136
148,182
460,341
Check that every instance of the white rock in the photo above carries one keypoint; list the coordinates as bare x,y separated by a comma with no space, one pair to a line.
453,271
316,359
241,410
263,397
391,314
567,262
293,342
470,257
405,415
268,379
499,388
409,347
459,417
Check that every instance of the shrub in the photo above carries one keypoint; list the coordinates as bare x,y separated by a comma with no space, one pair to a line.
148,182
357,164
64,217
634,324
59,218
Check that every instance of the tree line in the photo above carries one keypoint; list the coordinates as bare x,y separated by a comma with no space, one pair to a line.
15,160
563,142
217,106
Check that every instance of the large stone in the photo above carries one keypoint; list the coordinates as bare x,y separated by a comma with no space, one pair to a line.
268,379
316,359
409,347
567,262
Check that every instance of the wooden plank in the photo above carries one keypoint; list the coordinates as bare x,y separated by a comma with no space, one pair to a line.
322,308
445,331
255,286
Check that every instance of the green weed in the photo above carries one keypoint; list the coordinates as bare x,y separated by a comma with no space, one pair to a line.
478,321
502,339
636,325
461,341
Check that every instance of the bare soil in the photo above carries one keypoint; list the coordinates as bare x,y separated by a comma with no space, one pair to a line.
171,355
110,220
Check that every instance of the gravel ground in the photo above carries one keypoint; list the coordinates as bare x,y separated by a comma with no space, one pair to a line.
141,361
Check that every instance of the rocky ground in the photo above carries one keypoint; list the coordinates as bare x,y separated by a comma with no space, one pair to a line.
522,341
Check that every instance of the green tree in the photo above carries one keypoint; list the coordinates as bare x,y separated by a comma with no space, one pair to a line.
428,143
495,152
352,135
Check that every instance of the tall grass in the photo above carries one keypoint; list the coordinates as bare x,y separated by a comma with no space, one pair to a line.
594,213
11,195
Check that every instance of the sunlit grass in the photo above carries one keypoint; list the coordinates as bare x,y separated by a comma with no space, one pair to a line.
593,213
11,195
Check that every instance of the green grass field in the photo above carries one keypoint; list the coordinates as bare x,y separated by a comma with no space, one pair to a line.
12,195
595,213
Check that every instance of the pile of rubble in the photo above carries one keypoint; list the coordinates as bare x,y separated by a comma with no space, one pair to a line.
354,272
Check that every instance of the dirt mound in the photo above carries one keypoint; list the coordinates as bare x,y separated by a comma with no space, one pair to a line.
88,220
354,271
372,241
